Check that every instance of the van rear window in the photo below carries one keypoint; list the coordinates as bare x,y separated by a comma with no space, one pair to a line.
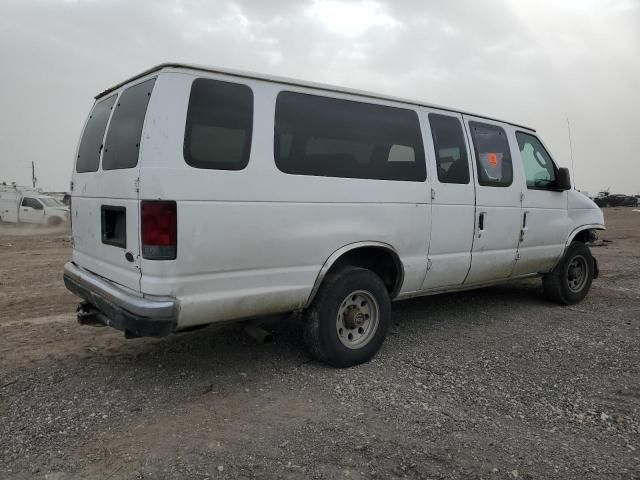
451,152
93,135
331,137
122,145
219,125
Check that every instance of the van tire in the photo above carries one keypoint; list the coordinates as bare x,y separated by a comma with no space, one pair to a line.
334,309
54,222
561,285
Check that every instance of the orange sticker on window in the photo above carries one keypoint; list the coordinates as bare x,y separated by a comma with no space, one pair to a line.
493,159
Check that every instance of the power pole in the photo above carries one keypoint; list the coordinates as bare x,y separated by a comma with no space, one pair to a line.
33,174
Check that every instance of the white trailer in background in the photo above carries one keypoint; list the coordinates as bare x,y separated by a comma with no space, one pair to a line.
29,205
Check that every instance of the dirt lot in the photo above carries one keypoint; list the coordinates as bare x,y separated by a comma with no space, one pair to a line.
496,383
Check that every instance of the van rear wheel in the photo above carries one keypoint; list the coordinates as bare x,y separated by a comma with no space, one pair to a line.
349,318
570,281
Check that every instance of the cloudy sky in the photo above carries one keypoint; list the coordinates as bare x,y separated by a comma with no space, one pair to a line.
534,62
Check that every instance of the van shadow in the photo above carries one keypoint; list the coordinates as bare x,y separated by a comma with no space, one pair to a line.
226,349
222,366
456,305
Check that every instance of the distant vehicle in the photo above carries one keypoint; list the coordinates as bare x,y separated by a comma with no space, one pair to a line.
616,200
29,205
201,195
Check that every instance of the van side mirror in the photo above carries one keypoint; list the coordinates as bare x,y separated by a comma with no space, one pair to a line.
563,180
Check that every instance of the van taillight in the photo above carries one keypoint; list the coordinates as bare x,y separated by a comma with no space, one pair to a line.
159,230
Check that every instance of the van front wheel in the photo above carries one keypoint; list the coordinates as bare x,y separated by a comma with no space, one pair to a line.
570,281
349,318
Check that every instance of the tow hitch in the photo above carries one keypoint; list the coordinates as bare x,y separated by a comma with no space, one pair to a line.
88,315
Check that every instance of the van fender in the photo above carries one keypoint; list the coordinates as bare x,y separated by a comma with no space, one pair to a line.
574,233
581,228
337,254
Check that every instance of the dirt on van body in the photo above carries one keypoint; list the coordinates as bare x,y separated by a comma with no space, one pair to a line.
493,383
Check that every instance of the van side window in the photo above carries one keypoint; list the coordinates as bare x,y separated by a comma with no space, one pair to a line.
330,137
451,151
538,165
93,136
219,125
493,157
32,203
122,146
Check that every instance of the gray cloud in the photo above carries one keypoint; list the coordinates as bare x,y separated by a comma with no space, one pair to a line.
534,62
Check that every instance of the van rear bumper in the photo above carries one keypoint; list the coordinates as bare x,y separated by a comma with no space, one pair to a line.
113,306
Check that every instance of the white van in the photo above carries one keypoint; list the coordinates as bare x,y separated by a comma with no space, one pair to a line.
29,205
203,195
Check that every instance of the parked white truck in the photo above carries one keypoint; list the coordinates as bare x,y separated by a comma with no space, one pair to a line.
29,205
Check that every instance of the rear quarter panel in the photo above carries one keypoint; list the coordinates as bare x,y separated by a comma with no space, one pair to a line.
252,242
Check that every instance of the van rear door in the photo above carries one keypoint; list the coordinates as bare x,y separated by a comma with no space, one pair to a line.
105,207
453,202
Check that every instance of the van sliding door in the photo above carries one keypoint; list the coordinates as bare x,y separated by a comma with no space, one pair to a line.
453,201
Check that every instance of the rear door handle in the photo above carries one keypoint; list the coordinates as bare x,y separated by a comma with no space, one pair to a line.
524,228
481,223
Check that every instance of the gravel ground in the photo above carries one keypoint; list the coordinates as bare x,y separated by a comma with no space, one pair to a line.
493,383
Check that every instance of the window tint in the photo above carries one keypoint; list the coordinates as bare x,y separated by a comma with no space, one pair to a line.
451,152
493,157
538,166
32,202
219,125
122,145
93,135
330,137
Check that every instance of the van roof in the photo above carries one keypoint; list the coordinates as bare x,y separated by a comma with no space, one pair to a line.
291,81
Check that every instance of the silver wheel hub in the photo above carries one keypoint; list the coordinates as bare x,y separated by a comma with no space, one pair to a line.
357,319
577,273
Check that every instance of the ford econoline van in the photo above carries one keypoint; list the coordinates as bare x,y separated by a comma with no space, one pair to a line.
202,195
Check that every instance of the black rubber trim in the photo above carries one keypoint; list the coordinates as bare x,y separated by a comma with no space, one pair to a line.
115,316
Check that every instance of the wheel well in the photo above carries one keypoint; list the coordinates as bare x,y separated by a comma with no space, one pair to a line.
383,262
585,236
